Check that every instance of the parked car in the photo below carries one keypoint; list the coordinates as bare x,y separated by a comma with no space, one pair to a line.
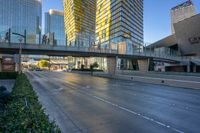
38,69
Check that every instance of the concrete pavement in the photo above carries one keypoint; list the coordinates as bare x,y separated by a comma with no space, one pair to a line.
81,103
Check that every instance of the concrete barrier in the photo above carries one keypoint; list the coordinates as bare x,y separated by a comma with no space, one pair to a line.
160,81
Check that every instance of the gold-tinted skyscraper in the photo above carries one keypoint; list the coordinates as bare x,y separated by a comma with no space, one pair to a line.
79,17
119,24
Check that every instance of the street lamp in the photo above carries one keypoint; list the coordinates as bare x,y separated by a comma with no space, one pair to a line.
20,54
40,29
20,47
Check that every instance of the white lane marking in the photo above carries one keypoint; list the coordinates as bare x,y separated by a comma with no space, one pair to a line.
88,87
60,89
39,79
130,111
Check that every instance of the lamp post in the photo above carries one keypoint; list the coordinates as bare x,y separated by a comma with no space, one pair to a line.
20,54
40,34
20,47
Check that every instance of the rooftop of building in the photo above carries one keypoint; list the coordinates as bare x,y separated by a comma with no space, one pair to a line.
57,12
184,4
165,42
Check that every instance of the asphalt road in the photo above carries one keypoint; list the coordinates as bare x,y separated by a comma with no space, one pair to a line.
81,103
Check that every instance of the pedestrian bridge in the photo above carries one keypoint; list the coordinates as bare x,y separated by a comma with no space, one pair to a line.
35,49
112,56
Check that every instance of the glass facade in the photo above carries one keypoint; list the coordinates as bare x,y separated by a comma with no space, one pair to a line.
20,15
80,22
54,24
119,24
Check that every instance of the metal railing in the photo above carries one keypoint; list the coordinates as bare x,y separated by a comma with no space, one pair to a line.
143,53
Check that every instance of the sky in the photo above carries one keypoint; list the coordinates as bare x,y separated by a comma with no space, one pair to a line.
156,16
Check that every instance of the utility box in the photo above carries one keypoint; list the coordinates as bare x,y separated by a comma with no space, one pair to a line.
8,64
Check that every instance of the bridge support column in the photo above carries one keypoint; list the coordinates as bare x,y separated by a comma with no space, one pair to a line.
143,65
112,65
188,69
194,68
49,65
0,64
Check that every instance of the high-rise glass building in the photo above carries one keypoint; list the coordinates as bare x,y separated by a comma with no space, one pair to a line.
20,15
119,24
54,25
79,18
181,12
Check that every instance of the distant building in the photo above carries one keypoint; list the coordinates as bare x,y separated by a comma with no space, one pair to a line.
54,25
181,12
119,24
79,18
20,15
184,42
185,38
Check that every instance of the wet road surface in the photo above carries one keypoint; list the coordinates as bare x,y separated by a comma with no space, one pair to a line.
81,103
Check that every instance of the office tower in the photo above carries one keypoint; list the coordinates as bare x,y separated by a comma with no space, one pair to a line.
119,24
181,12
79,19
20,15
54,26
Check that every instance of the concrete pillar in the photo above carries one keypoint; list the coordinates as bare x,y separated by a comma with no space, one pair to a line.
194,68
0,65
112,65
188,68
17,67
49,66
143,65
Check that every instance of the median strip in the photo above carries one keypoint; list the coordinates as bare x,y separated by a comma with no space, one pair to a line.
23,112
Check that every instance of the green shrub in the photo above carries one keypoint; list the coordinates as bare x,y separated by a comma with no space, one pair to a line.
8,75
94,65
24,113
